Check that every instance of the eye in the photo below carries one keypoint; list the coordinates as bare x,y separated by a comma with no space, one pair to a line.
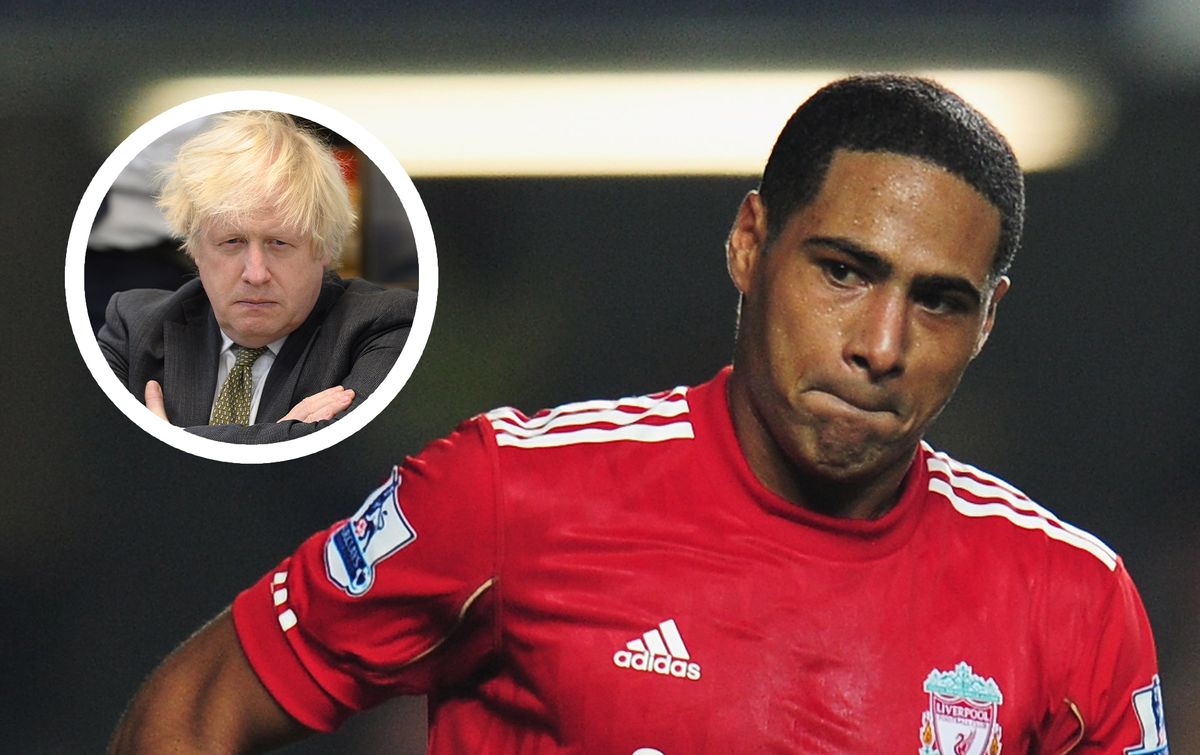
941,303
841,273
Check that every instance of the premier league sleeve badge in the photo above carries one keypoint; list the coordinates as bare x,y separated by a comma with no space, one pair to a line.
377,530
963,714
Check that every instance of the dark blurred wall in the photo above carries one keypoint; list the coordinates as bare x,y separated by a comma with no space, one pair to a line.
113,546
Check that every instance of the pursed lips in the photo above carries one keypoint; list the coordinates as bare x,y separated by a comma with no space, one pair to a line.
859,401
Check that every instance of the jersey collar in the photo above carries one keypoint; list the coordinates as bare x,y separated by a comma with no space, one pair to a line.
822,535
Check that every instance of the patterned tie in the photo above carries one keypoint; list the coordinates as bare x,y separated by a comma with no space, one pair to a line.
233,402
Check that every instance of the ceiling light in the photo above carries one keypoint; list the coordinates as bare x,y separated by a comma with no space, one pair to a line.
594,124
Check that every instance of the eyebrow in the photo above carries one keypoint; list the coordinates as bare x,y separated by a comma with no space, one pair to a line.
876,265
278,232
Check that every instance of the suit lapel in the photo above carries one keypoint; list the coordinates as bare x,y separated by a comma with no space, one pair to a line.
190,364
280,389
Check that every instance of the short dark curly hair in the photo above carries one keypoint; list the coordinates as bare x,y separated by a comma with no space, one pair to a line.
905,115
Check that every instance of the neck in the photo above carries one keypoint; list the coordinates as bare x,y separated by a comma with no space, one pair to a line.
862,496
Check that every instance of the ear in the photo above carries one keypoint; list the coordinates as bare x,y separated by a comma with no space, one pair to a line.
746,240
989,319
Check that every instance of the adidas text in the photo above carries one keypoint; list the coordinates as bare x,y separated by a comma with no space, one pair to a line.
658,664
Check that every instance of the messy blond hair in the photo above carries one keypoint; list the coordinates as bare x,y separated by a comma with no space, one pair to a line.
255,162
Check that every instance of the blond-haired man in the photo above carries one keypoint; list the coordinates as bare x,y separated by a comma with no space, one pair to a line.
266,344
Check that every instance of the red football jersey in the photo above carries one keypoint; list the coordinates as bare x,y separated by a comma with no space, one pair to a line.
610,577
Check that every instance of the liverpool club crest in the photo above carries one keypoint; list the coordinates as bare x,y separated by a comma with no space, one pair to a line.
962,715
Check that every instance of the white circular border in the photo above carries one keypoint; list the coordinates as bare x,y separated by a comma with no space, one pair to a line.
240,453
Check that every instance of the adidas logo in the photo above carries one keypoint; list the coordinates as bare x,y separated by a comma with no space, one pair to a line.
661,651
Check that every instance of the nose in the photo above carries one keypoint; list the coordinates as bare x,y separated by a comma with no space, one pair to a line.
878,343
255,270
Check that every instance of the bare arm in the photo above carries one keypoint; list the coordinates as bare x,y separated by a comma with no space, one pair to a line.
205,698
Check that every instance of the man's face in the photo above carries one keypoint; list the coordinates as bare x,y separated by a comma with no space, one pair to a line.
261,278
859,320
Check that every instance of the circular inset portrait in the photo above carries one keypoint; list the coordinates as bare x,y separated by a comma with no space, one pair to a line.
251,277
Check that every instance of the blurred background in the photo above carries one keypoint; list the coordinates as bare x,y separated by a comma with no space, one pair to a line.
114,546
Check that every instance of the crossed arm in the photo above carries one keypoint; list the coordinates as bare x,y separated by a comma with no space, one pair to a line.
205,698
319,407
378,331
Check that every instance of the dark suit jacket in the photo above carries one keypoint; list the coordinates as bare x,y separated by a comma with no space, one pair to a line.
351,338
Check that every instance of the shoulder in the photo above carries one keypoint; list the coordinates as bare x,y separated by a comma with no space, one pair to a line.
357,299
146,309
1012,524
583,462
509,443
152,301
455,473
638,420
